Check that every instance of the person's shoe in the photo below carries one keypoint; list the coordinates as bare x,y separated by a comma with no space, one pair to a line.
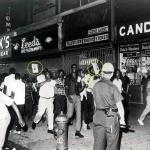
33,125
78,135
50,131
140,122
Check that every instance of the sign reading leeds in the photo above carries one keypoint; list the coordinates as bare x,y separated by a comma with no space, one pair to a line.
93,35
37,42
30,46
5,49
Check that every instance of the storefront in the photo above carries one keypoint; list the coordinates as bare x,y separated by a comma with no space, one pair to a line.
87,36
32,51
134,51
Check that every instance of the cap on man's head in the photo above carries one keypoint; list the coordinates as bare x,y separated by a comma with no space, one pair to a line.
108,68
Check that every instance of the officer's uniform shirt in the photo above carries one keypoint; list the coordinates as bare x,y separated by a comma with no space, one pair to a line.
106,95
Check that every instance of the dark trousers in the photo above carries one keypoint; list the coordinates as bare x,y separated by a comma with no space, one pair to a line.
28,107
125,103
106,132
60,104
87,108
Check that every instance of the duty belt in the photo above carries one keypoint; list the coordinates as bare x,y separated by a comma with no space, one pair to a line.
108,111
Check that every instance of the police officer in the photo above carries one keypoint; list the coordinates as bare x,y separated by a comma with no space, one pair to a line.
109,111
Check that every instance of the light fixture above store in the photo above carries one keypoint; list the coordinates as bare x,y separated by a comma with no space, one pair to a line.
48,39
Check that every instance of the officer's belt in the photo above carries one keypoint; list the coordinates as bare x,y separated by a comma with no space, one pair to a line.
106,110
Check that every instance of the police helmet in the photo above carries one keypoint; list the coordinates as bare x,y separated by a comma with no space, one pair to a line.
108,67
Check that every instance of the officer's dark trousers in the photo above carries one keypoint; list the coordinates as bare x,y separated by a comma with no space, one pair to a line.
106,134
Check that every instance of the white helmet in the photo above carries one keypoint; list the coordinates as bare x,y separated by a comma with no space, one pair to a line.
108,67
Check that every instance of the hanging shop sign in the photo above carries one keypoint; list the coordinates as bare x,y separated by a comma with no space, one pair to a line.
86,27
37,42
5,46
134,30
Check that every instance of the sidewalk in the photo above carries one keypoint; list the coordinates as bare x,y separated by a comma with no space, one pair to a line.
39,139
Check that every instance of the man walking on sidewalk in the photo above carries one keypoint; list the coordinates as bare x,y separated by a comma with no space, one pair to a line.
73,99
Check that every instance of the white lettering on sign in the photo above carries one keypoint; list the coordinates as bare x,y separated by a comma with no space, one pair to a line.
35,42
130,30
146,46
93,35
122,31
87,40
74,42
129,47
3,53
34,45
98,30
147,27
140,28
4,42
101,37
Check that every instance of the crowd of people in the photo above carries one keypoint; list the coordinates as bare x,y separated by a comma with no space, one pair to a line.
81,93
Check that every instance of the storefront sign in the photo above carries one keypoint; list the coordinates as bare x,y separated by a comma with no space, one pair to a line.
30,46
133,54
36,42
129,47
134,30
145,48
90,39
5,48
86,27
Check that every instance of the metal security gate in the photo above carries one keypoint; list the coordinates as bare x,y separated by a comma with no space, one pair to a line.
83,58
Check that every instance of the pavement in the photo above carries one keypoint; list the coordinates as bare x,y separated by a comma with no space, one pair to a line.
39,139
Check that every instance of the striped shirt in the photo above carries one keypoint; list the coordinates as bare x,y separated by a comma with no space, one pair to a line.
60,87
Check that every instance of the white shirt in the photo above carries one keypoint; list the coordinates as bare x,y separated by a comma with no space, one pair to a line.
47,90
19,90
118,83
4,100
8,81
